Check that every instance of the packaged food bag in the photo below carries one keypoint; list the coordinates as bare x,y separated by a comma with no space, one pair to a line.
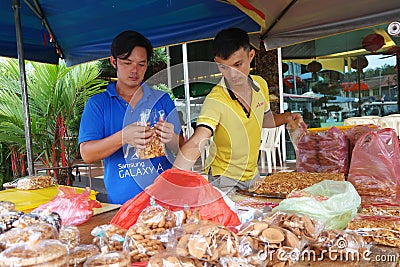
155,148
73,208
337,208
179,190
324,151
375,167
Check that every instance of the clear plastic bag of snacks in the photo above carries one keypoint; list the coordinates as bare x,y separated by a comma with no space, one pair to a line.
78,255
34,217
7,206
7,218
115,259
35,254
155,148
375,167
108,237
324,151
339,242
70,236
167,259
38,231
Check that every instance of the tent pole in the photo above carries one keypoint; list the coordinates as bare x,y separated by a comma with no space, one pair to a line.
281,108
359,85
398,82
168,68
186,86
24,91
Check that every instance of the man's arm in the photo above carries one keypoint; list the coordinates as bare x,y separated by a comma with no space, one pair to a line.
135,135
192,149
92,151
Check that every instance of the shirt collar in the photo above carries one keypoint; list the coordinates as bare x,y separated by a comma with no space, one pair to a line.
224,83
112,89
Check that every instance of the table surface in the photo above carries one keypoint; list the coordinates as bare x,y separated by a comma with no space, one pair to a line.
96,220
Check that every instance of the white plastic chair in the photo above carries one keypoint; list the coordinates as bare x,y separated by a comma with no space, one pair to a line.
204,154
186,133
270,144
390,122
361,120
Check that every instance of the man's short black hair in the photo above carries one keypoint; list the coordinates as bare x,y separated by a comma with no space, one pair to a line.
126,41
228,41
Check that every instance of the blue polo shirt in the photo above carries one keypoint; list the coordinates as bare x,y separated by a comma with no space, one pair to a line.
125,175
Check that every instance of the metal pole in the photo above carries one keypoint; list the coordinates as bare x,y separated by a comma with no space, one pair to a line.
380,83
186,86
168,69
24,92
281,108
359,85
398,82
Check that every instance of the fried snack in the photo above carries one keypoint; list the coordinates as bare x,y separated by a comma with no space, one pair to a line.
379,230
142,238
39,231
115,259
7,206
337,242
153,149
170,259
70,236
286,182
50,253
324,152
8,218
35,182
35,217
108,237
381,210
209,242
81,253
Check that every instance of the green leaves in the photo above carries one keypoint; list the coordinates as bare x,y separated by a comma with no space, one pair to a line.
55,94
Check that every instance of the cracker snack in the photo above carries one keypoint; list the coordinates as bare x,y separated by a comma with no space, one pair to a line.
35,182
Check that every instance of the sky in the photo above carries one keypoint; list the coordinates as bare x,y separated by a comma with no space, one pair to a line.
375,61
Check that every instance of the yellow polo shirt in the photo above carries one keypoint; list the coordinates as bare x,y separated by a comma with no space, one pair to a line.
236,135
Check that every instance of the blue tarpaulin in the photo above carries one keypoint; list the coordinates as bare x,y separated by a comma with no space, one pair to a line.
84,29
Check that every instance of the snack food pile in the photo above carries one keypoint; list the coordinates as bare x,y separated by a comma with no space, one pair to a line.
155,148
35,182
285,182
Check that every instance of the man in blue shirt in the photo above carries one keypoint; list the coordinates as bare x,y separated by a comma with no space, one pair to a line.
114,128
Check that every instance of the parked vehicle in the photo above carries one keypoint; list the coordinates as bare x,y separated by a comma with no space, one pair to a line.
380,108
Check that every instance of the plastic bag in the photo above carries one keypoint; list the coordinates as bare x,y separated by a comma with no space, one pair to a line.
378,229
178,190
324,151
73,208
335,212
375,167
339,243
155,148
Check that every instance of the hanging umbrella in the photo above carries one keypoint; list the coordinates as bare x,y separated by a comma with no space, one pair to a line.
289,81
353,87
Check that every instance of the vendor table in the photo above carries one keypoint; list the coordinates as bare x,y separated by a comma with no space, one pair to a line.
100,217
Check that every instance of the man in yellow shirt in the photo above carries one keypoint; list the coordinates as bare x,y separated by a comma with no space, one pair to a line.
233,113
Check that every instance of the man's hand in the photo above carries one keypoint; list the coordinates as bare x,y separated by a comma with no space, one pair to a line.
165,130
137,135
294,121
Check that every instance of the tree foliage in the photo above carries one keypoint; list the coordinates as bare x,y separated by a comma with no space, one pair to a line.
56,97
